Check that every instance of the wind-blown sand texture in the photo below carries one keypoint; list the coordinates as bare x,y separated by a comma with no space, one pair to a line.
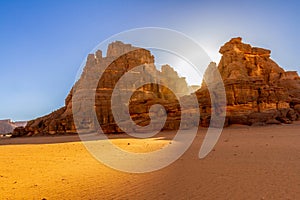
247,163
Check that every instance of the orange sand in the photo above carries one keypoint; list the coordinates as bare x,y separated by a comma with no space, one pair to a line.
247,163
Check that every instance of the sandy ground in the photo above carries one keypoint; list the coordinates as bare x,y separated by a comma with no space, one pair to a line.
247,163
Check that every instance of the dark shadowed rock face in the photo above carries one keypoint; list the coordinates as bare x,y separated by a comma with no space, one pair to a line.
258,91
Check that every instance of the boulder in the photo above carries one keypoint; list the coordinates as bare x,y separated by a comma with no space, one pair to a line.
292,115
18,132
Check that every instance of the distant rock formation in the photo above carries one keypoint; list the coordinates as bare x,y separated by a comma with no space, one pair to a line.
258,92
7,125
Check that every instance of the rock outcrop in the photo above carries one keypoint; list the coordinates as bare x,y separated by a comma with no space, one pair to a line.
258,92
99,78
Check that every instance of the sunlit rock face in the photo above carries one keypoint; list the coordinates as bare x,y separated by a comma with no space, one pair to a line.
258,92
100,77
254,83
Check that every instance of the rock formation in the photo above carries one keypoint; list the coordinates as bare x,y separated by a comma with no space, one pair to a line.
258,92
7,125
99,78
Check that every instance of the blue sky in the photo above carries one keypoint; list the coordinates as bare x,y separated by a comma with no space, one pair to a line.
43,43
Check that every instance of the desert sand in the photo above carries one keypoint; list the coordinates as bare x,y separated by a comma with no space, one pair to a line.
246,163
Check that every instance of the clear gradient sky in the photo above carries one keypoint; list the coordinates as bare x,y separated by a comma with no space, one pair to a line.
42,43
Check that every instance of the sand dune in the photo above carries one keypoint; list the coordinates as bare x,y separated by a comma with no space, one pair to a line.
247,163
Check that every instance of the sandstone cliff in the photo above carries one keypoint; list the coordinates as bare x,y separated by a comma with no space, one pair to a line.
99,78
258,92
